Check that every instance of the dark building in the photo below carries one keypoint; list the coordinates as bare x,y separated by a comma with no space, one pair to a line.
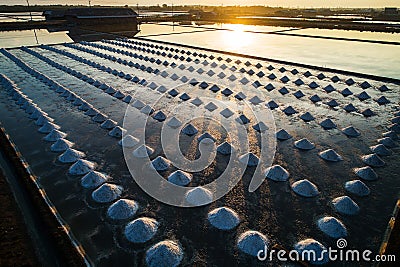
390,11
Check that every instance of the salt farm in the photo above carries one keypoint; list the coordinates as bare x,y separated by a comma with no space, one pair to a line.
334,173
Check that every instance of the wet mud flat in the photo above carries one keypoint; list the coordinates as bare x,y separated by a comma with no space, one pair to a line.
274,209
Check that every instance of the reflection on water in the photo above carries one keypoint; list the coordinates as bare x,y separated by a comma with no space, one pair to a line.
370,58
237,38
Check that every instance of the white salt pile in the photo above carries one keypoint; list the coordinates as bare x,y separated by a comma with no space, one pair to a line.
54,135
148,110
208,138
351,131
328,124
99,118
345,205
330,155
227,113
48,127
211,106
277,173
141,230
93,179
260,127
373,160
108,124
71,155
159,116
308,245
197,102
305,188
251,242
250,159
138,104
122,209
307,117
256,100
189,130
332,227
143,151
81,167
366,173
223,218
164,254
225,148
283,135
128,141
174,123
387,142
117,132
289,110
180,178
61,145
304,144
199,196
160,163
107,193
380,150
357,187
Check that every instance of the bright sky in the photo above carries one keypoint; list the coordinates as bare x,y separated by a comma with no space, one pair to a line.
283,3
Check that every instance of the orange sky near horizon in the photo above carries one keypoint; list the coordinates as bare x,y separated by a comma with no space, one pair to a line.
282,3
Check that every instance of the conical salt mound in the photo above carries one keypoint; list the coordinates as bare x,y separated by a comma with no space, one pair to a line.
223,218
128,141
108,124
180,178
189,130
159,116
208,138
310,247
161,163
350,108
373,160
43,119
85,106
117,132
93,179
277,173
164,254
330,155
357,188
387,142
141,230
99,118
227,113
289,110
143,151
332,227
328,124
305,188
92,112
307,117
345,205
283,135
304,144
251,242
71,155
260,127
122,209
392,135
351,131
48,127
211,107
107,193
366,173
381,150
225,148
174,123
61,145
250,159
199,196
54,135
81,167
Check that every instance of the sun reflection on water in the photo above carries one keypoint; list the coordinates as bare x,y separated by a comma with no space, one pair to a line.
236,37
